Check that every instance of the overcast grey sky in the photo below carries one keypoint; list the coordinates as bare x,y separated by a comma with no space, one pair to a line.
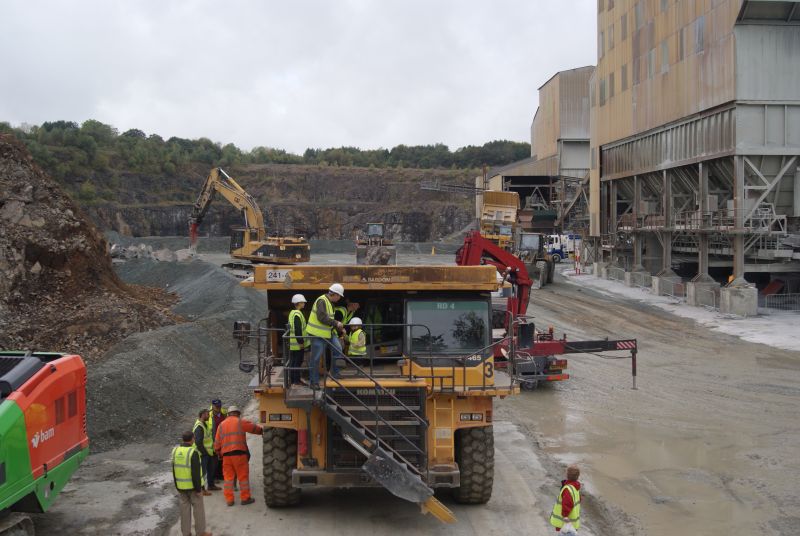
292,74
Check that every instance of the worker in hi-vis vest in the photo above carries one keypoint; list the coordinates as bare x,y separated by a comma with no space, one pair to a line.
298,338
566,516
321,323
188,475
357,339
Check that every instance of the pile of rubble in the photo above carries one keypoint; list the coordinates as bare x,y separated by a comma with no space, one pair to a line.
58,290
144,251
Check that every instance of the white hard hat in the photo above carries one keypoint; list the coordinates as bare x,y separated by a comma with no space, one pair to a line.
233,409
299,298
355,321
336,288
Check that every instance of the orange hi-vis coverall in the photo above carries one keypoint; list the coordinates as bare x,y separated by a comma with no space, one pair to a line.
231,443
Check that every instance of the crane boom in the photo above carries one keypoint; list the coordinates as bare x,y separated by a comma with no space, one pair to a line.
479,250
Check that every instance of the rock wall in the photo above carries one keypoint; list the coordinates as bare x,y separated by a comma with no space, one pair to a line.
314,201
58,290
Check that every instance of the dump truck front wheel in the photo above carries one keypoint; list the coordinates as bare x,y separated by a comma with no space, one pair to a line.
475,457
279,460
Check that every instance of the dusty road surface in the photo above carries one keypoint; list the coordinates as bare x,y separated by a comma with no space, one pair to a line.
513,509
709,443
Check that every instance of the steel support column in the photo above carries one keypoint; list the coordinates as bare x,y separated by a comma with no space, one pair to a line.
702,238
796,207
612,193
739,209
637,235
666,235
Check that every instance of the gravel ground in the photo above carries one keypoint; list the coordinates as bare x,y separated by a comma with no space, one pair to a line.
150,386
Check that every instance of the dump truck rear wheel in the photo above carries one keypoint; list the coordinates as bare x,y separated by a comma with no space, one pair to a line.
475,457
279,460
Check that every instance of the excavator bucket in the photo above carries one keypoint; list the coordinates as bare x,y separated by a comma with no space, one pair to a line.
193,234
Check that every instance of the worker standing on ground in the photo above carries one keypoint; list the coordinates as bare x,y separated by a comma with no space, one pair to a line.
204,443
231,442
188,475
566,516
321,322
297,345
216,416
357,339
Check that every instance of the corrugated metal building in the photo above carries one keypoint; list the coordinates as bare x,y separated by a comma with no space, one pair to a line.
553,182
695,136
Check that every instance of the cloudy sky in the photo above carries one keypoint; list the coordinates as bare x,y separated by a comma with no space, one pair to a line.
292,74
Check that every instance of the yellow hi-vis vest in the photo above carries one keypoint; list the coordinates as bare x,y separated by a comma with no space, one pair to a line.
210,421
315,328
182,467
357,349
346,315
208,441
574,517
294,342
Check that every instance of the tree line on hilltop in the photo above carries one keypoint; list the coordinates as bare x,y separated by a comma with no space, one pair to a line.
67,149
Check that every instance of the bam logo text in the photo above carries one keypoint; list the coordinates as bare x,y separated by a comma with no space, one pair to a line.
42,436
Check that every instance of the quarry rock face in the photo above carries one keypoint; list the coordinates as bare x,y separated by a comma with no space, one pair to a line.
317,202
58,290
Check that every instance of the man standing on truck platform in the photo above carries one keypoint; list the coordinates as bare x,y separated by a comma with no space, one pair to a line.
321,322
297,345
231,442
204,443
188,475
566,516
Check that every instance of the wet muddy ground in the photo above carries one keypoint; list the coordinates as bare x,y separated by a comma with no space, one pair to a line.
708,444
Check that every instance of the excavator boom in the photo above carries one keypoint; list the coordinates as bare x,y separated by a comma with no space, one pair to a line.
248,243
220,182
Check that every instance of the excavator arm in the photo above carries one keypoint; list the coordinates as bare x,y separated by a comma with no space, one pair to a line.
220,182
478,250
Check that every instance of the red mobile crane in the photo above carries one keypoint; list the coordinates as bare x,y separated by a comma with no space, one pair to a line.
537,349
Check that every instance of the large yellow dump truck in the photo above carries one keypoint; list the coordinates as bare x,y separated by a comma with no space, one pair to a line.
413,415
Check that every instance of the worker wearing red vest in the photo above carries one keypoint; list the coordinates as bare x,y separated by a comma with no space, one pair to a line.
231,443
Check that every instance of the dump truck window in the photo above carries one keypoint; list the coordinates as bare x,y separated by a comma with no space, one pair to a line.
386,340
456,327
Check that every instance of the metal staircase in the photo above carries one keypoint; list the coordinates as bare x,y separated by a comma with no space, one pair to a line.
384,462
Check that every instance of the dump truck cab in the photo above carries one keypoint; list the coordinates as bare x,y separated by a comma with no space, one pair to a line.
412,415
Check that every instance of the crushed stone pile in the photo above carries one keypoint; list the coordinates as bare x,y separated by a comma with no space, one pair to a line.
151,385
146,251
58,290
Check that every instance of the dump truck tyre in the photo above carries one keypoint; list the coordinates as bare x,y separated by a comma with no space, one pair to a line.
279,460
475,457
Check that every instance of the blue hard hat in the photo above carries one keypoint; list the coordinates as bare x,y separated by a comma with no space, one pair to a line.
216,402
